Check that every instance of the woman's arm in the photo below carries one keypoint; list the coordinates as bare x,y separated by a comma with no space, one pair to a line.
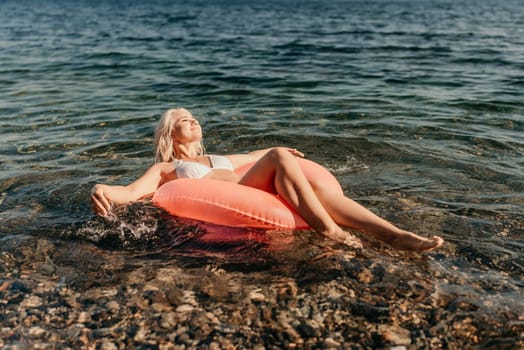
103,196
239,160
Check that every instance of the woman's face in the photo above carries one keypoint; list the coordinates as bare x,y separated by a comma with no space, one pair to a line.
186,128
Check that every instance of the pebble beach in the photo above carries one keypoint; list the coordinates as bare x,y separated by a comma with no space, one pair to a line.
416,107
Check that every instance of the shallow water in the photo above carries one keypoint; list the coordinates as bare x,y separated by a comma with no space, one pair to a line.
415,106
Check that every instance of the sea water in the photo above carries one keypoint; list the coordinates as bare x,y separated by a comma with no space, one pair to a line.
415,106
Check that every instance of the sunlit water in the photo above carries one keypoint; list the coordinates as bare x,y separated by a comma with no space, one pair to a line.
415,106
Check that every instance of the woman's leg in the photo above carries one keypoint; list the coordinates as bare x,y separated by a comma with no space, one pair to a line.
348,213
279,172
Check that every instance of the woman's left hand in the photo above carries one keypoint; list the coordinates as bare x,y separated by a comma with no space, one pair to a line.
296,152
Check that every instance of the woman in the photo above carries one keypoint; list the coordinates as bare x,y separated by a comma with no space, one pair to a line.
180,154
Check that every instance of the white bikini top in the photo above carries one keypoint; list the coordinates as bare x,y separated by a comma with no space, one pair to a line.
194,170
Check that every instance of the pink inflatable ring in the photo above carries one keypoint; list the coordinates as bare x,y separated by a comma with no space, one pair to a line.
232,204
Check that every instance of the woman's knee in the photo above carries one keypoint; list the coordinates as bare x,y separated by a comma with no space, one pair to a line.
281,155
282,159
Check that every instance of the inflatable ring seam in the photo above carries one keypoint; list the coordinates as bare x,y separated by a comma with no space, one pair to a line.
243,213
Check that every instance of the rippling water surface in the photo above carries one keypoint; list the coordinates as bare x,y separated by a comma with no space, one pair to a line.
416,106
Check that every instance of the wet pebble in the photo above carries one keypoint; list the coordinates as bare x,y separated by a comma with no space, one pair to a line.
256,296
395,334
168,320
185,308
36,332
84,317
107,345
214,346
47,268
113,306
141,335
31,301
330,343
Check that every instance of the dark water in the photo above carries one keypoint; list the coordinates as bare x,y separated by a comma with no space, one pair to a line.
416,106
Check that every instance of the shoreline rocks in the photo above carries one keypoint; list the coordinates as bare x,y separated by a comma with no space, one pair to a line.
335,302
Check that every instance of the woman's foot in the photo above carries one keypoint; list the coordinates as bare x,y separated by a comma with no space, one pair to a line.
410,241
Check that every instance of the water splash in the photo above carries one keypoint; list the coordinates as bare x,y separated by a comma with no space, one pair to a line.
134,226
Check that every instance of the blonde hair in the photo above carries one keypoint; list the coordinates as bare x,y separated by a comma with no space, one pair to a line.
166,149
